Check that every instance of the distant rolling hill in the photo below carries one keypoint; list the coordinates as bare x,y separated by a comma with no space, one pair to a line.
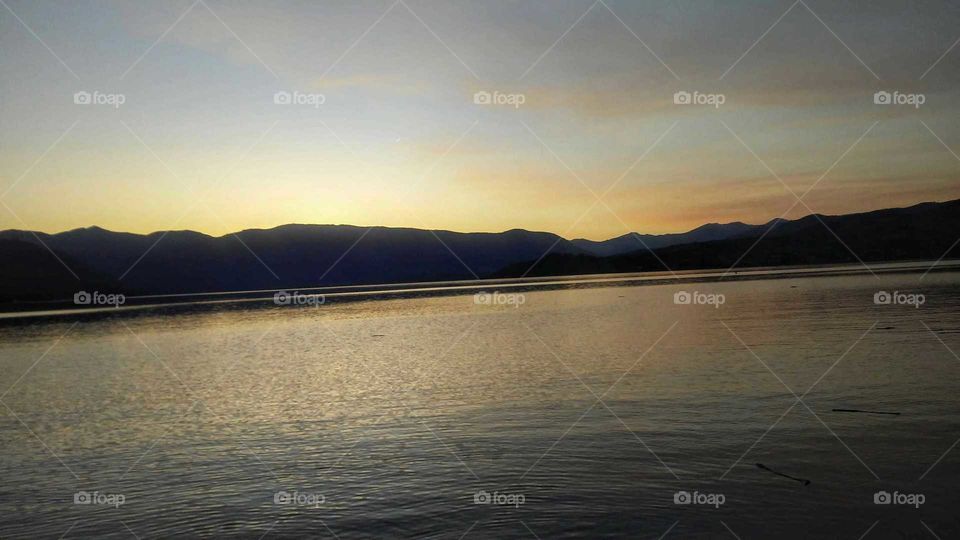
290,256
924,231
300,256
634,241
31,272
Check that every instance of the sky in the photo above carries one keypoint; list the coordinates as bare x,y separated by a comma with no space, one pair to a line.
188,125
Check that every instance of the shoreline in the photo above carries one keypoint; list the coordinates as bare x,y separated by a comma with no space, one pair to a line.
63,308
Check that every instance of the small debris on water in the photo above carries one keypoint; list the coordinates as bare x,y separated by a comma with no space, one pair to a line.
803,481
867,412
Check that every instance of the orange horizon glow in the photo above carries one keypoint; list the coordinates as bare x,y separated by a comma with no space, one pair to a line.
398,139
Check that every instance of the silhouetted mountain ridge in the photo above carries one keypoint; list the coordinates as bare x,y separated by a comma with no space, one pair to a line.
633,241
289,256
299,256
927,231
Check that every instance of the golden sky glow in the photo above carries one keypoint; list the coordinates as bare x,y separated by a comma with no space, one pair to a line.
199,142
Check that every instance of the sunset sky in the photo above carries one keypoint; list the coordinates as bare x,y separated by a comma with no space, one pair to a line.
199,142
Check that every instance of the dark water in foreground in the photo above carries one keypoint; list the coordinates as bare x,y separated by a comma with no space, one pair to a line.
391,417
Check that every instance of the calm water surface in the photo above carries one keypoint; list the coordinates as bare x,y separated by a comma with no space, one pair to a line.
593,407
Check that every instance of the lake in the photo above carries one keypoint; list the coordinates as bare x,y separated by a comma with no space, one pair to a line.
605,411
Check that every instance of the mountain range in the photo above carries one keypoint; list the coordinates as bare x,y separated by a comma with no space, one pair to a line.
926,231
40,266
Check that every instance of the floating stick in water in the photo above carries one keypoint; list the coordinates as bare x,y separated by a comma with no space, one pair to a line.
803,481
868,412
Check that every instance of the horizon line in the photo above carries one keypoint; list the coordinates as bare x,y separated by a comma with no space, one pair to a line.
167,231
